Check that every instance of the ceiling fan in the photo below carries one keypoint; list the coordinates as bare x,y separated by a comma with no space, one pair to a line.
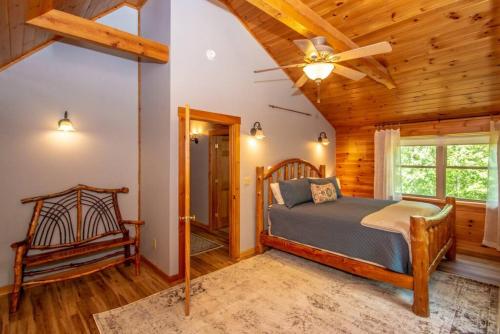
320,60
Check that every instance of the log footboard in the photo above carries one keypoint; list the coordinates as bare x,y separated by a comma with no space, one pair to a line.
431,239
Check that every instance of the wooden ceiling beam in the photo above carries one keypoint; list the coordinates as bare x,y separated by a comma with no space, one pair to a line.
302,19
78,28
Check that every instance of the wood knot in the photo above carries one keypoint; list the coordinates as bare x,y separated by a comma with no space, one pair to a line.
477,17
453,15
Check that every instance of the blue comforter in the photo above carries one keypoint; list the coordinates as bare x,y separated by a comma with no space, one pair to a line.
336,226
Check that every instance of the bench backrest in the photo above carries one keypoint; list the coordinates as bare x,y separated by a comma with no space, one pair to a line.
74,216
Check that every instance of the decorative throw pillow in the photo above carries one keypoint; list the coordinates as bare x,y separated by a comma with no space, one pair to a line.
275,188
295,192
332,179
323,193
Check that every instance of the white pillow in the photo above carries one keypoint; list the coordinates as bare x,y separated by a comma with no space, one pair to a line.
275,188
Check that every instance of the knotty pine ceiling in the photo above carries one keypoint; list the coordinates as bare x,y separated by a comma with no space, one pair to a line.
444,62
18,39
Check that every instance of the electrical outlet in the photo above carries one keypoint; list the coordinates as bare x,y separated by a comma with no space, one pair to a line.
154,244
246,180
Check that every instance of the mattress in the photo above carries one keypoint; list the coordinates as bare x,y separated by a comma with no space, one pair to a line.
336,227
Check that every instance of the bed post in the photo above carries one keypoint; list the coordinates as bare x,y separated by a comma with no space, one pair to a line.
451,254
322,170
259,220
420,265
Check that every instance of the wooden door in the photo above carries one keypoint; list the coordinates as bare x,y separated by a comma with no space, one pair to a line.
187,214
219,181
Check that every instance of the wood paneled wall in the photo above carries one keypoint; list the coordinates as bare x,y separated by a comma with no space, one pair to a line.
355,168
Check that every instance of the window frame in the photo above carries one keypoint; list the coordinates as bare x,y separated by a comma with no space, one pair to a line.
441,168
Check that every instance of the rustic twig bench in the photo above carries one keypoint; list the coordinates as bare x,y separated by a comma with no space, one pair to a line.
72,224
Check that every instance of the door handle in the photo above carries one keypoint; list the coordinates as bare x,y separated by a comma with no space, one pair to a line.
193,217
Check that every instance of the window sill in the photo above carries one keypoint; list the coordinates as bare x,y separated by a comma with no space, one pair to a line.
434,200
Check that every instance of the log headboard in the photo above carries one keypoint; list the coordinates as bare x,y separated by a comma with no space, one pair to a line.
283,170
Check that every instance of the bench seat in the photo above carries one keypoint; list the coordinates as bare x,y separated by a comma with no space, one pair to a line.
77,223
75,251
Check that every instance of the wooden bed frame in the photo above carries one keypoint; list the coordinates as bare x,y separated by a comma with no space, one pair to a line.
431,238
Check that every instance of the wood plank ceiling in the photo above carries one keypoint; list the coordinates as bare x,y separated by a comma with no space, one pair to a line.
445,60
18,39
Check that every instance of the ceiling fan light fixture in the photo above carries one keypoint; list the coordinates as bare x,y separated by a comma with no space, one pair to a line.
318,71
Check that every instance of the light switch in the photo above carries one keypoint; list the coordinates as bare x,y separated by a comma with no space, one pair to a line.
246,180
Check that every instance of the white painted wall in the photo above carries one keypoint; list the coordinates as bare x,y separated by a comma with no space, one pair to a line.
227,85
100,92
155,140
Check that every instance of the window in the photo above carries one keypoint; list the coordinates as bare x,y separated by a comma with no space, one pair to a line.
446,166
418,170
467,171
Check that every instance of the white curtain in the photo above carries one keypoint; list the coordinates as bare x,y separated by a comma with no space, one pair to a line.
387,165
492,224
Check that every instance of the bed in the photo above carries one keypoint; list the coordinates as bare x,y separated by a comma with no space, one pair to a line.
334,235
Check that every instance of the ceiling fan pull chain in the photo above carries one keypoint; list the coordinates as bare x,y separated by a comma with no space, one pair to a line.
318,97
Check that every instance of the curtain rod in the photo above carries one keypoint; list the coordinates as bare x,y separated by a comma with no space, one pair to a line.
389,124
286,109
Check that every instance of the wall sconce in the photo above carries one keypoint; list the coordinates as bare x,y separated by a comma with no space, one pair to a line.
256,131
194,137
323,139
65,124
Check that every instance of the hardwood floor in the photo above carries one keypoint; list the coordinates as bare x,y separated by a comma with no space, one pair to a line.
67,307
481,270
210,261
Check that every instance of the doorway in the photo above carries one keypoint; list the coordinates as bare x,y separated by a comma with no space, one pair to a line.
214,189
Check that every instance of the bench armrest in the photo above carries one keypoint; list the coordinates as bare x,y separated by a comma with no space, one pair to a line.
18,244
133,222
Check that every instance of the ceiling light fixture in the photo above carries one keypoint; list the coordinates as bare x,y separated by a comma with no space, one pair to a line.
256,131
318,71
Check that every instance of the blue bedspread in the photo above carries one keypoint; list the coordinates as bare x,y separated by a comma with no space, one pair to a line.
336,226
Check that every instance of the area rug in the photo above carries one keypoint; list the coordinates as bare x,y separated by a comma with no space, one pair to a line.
200,244
280,293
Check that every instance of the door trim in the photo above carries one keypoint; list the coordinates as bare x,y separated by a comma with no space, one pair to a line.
233,122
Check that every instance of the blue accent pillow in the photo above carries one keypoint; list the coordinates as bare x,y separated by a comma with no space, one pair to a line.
295,192
331,179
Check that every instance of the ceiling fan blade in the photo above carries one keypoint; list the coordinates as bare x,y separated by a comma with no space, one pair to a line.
301,82
307,47
348,72
279,68
364,51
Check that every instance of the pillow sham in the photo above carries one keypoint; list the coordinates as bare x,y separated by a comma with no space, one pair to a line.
275,188
295,192
331,179
322,193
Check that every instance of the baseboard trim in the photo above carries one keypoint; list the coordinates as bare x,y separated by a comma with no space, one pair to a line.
246,254
5,290
167,278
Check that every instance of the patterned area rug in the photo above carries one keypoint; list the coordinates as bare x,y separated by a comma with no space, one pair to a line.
200,244
280,293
